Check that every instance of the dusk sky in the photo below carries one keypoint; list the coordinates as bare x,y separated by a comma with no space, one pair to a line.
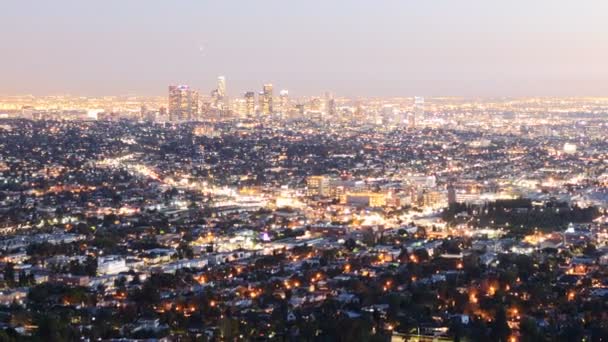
349,47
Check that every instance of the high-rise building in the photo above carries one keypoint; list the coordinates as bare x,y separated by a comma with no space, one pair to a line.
239,107
330,106
250,103
315,105
359,113
283,101
451,194
411,120
150,116
183,103
387,114
218,95
266,100
221,87
143,110
418,112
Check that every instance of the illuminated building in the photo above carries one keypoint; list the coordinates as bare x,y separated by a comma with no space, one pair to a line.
266,100
249,103
111,265
218,97
315,105
433,198
142,112
411,120
205,131
283,101
423,181
451,194
386,115
183,103
221,87
364,199
149,116
27,112
317,186
569,148
359,114
331,108
418,111
239,106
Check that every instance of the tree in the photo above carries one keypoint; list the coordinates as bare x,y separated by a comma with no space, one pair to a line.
9,274
350,244
51,328
229,328
529,330
456,329
500,327
8,336
185,251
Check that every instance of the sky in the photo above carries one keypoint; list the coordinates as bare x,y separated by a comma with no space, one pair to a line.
348,47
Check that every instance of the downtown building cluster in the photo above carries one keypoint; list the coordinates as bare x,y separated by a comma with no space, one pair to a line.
476,220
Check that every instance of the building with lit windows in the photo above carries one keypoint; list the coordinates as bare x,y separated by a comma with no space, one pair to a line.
418,113
330,106
249,103
221,87
183,103
364,199
317,186
283,106
265,100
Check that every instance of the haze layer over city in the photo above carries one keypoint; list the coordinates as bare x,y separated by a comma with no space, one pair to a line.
304,171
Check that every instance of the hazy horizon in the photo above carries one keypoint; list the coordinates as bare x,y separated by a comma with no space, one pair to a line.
470,48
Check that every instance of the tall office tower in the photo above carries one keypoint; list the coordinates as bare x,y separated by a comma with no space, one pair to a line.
387,114
411,120
143,110
283,107
221,101
250,103
239,107
301,109
266,100
150,116
451,193
162,112
330,106
183,103
194,104
418,108
221,87
331,109
359,113
315,105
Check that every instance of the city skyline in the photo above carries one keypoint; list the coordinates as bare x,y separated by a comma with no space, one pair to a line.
344,170
547,48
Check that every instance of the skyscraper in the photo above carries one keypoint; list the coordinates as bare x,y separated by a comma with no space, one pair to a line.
283,101
183,103
142,112
330,106
411,120
221,87
418,113
249,103
451,193
266,100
